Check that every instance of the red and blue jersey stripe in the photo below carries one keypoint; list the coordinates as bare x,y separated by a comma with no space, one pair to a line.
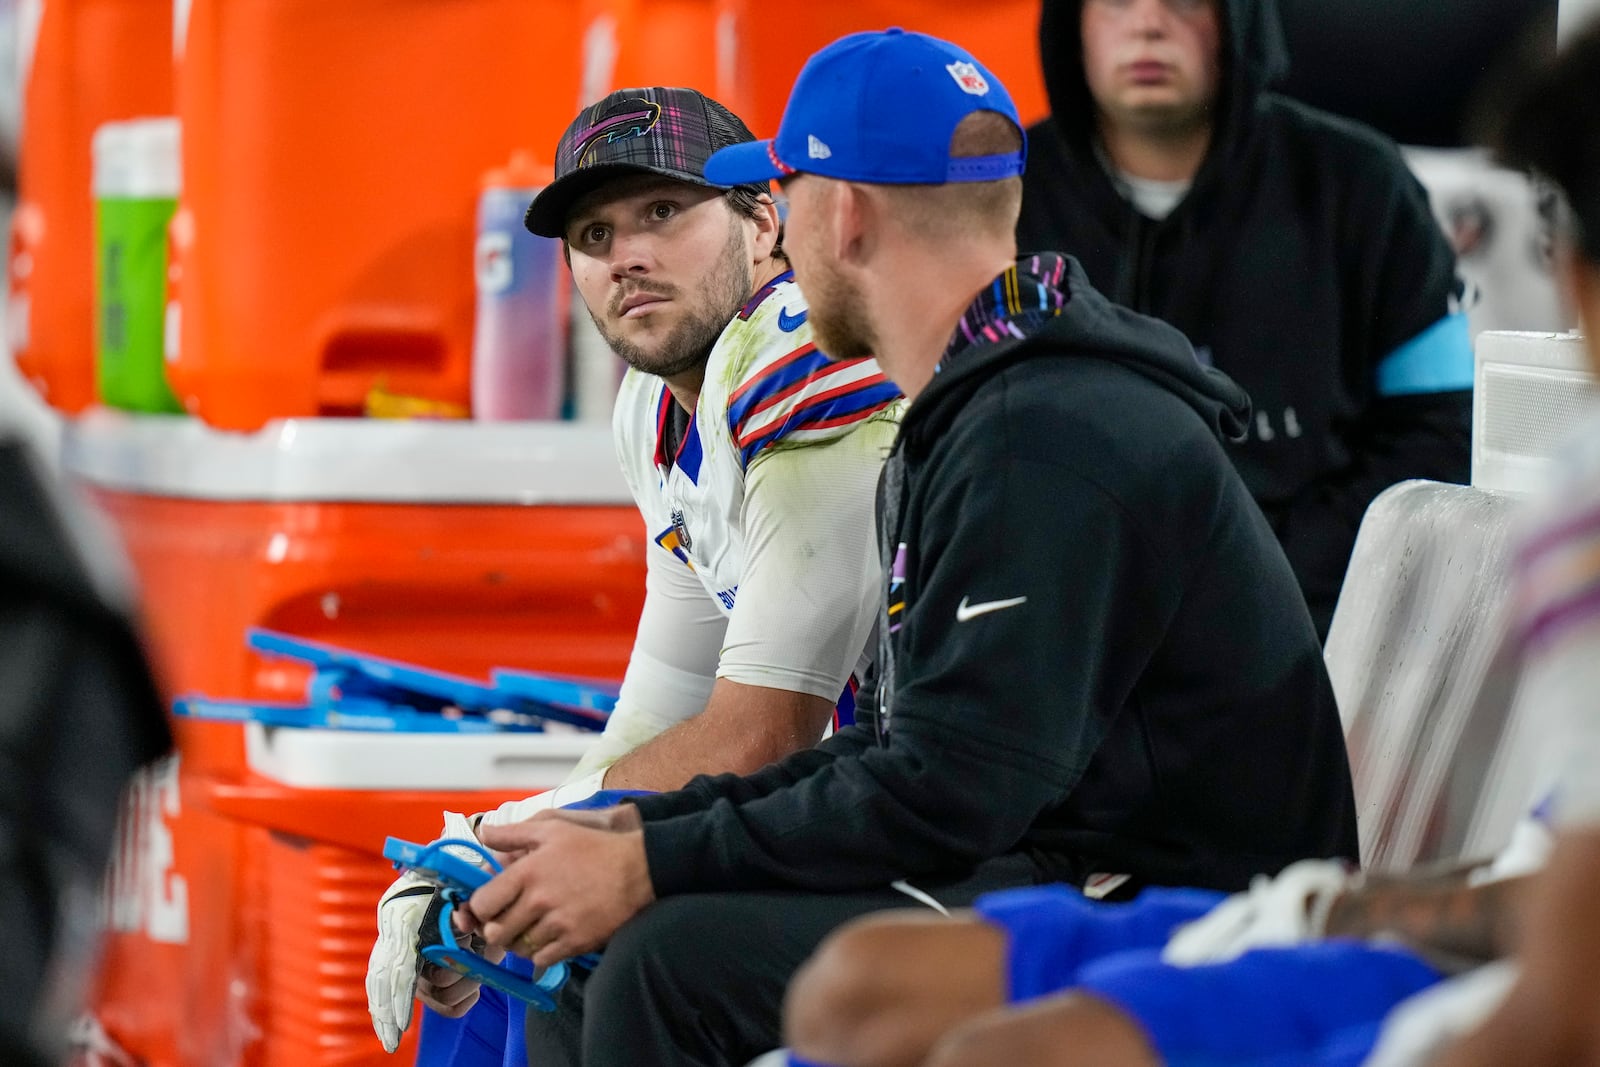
690,451
802,392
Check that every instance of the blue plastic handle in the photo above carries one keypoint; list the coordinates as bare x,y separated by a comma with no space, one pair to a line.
344,678
539,992
432,863
456,879
573,693
371,716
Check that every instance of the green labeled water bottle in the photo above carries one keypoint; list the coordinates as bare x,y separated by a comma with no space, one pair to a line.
136,184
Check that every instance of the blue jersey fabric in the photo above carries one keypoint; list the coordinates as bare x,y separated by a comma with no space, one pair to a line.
1053,930
1318,1004
605,798
490,1035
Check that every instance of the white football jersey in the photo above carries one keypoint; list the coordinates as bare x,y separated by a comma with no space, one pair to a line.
762,562
1556,612
766,388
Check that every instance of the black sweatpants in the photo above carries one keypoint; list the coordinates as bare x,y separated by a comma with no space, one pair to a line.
699,979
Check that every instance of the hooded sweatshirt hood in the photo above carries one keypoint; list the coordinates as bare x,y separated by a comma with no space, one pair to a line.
1088,327
1303,258
1254,57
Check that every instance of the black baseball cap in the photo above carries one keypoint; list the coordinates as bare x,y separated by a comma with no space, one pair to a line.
659,130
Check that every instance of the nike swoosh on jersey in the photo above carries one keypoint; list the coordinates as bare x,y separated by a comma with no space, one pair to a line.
965,611
790,323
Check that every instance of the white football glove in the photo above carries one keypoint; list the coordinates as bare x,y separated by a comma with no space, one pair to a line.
393,967
1274,912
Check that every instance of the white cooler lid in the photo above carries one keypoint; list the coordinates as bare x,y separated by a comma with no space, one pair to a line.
358,759
348,460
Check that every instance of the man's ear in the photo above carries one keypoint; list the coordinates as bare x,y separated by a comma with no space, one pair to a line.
854,213
768,229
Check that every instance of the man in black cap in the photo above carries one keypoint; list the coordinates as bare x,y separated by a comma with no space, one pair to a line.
752,458
1093,664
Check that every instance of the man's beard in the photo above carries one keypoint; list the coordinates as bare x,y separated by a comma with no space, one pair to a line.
724,291
839,323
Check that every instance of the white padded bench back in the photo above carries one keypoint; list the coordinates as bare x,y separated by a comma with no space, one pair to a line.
1425,684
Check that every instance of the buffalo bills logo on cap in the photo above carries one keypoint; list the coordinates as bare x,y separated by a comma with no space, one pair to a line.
969,77
631,118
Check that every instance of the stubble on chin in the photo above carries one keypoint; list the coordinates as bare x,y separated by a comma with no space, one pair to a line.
716,300
839,323
683,348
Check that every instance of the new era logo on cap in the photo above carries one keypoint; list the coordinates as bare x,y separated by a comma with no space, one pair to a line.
879,108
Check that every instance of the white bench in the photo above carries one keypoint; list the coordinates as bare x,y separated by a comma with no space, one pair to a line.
1441,753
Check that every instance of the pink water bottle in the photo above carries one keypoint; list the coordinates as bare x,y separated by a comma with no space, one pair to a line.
519,339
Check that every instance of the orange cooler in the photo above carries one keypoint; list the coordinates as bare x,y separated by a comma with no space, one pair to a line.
332,154
631,43
83,63
1002,34
241,904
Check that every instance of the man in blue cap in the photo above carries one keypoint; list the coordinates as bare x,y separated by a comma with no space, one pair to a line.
1094,666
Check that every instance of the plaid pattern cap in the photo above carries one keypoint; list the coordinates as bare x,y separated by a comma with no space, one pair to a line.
666,131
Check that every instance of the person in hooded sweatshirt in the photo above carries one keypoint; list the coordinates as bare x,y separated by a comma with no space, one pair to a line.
81,714
1293,249
1075,573
1320,966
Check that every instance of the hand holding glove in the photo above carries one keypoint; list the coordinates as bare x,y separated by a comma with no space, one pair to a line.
394,967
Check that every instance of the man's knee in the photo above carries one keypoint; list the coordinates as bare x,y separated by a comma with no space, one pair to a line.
860,997
1013,1036
1062,1031
678,936
841,988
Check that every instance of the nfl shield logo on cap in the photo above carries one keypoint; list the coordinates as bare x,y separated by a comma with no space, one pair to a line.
880,107
969,77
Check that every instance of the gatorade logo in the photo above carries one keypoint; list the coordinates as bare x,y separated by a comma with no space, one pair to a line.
493,261
144,891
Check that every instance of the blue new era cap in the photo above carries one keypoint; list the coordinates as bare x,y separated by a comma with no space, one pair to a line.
878,108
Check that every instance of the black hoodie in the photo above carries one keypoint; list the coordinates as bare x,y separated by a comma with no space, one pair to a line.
80,714
1303,255
1099,661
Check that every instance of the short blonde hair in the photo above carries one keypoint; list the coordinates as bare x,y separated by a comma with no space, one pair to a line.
964,209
